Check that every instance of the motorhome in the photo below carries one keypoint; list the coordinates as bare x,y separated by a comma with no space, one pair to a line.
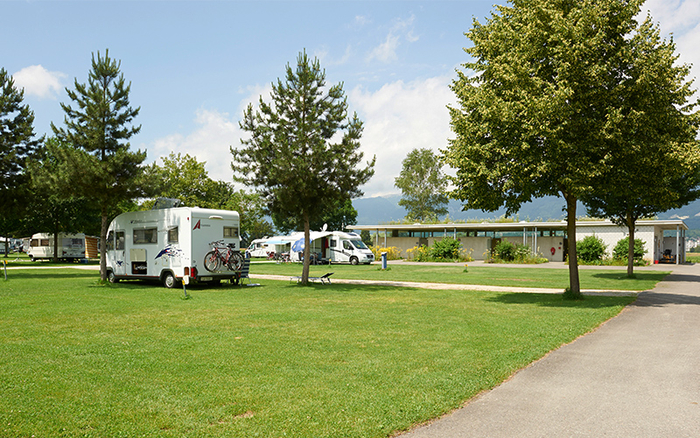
269,246
170,245
333,247
71,247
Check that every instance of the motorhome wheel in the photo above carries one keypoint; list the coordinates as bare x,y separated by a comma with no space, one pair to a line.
169,280
111,277
354,261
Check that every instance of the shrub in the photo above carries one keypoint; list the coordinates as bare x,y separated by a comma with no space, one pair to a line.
392,253
621,250
504,251
590,249
445,249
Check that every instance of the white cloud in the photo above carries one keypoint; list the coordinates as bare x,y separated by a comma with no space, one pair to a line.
212,138
37,81
209,142
398,118
386,51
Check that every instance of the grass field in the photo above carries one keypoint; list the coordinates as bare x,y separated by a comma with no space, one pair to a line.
608,279
132,359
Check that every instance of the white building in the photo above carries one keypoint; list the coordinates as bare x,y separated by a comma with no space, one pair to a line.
547,239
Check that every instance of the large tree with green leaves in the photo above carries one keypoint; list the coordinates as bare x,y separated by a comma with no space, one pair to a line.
303,150
17,145
536,104
653,163
423,186
98,163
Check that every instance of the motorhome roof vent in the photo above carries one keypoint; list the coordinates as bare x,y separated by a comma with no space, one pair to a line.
162,203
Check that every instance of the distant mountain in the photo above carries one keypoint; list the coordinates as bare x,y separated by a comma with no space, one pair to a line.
383,209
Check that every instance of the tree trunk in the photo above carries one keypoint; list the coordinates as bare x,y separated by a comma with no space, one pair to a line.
630,250
307,250
103,245
55,245
574,284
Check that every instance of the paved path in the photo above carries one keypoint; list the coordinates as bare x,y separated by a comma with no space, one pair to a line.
636,376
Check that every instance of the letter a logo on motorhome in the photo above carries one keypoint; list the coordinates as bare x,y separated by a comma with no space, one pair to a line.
198,226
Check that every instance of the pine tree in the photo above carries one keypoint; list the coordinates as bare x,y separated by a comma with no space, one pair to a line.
98,164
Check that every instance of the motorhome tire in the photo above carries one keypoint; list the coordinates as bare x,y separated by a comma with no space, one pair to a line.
111,277
169,280
354,261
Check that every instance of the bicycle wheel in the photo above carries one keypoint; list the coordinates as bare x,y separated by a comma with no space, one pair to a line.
212,262
235,261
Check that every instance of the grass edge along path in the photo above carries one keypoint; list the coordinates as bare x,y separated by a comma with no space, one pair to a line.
457,274
135,359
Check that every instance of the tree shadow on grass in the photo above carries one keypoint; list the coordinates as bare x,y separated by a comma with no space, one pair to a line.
557,300
37,274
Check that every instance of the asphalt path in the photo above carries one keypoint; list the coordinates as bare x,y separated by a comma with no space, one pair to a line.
638,375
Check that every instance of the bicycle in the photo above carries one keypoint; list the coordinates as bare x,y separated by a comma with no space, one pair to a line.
223,255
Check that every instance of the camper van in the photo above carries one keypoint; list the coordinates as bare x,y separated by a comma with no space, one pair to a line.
268,246
334,247
170,245
71,247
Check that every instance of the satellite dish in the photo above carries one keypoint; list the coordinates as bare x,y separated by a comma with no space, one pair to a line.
324,228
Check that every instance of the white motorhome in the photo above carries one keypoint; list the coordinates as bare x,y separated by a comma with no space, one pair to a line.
70,246
267,245
170,245
333,247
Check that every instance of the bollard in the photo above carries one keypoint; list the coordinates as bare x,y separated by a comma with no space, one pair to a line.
384,261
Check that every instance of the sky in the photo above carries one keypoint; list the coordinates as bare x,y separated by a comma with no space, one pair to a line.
194,66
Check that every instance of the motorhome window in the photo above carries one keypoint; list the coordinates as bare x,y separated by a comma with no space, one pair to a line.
359,244
346,245
44,242
230,231
121,239
146,235
34,242
332,243
173,235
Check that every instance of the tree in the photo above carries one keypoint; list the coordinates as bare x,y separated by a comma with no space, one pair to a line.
17,145
98,163
535,104
51,209
303,150
654,161
423,186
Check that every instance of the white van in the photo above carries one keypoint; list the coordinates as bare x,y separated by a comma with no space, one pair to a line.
334,247
71,247
170,245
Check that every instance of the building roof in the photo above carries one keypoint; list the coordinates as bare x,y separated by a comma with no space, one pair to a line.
515,226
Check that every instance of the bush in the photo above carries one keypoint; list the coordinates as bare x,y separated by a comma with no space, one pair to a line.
445,249
392,253
590,249
621,250
504,251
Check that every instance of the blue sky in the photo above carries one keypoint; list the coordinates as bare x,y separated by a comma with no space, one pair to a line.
195,65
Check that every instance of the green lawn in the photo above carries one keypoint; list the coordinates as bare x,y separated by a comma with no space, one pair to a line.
502,275
132,359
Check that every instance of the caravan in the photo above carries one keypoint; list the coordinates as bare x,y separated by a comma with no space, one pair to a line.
333,247
71,247
171,244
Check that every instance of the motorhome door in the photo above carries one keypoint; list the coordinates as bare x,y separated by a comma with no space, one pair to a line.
116,252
